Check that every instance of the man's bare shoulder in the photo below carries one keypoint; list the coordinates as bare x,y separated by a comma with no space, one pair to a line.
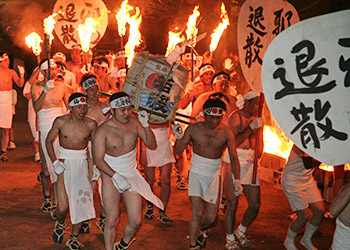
90,121
61,120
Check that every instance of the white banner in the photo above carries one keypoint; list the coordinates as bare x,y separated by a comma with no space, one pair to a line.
75,12
259,22
306,81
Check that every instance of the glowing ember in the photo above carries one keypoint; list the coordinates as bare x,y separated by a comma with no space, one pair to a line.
122,17
49,25
33,41
277,144
192,30
87,29
215,37
134,36
331,168
174,39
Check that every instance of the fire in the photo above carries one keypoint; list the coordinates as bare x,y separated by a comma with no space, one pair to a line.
134,36
49,25
331,168
174,39
192,30
33,41
122,17
277,144
215,37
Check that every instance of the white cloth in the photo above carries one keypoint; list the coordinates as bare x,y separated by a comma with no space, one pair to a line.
125,165
164,152
96,173
78,188
46,119
204,178
341,236
6,109
246,161
31,112
298,183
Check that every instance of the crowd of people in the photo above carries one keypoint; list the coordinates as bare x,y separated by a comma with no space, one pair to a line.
87,141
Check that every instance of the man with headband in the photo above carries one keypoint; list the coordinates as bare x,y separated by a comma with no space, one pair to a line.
114,153
75,65
74,131
101,69
7,76
69,77
209,139
49,96
244,124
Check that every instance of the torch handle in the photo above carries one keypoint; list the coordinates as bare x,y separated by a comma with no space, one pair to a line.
47,48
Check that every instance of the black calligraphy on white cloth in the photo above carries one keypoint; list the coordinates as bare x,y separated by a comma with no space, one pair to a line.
344,64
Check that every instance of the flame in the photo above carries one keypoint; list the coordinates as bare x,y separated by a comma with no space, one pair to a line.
331,168
134,36
277,144
122,17
49,25
87,29
192,30
215,37
174,39
33,41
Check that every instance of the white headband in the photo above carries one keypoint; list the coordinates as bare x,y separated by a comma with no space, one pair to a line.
88,83
45,65
77,101
121,72
120,102
220,77
250,95
3,57
187,56
120,53
102,64
215,111
205,69
241,100
59,55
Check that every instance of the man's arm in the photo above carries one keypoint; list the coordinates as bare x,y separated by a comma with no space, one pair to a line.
18,80
51,138
146,135
231,146
181,144
93,127
340,201
38,97
234,124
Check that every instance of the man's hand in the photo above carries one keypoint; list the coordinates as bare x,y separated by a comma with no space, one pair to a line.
121,183
257,123
21,70
143,118
177,131
49,85
238,187
59,167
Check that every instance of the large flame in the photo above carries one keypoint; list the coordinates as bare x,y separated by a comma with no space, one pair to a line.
49,25
87,29
33,41
215,37
174,39
192,30
277,144
122,17
134,36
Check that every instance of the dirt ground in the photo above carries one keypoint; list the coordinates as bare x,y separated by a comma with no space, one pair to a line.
24,226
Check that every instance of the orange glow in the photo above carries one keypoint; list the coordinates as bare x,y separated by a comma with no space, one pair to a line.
134,36
122,17
192,30
174,39
216,35
49,25
331,168
277,144
33,41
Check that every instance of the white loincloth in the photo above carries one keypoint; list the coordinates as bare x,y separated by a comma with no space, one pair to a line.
163,154
246,160
46,119
341,236
125,165
95,172
6,109
76,182
204,178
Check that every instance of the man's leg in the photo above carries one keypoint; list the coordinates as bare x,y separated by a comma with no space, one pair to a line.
111,199
45,181
296,225
338,179
61,210
5,138
318,210
197,211
150,178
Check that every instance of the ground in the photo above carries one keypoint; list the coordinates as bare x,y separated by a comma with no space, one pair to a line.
24,226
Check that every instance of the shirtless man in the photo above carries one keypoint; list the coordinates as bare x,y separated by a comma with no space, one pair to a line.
49,98
69,77
7,76
341,208
75,64
114,153
244,124
112,78
101,70
206,73
74,131
209,139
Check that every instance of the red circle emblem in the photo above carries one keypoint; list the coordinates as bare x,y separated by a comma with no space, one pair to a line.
214,110
82,99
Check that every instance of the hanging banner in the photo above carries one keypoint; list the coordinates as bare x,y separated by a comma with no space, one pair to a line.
259,22
75,12
152,87
306,82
